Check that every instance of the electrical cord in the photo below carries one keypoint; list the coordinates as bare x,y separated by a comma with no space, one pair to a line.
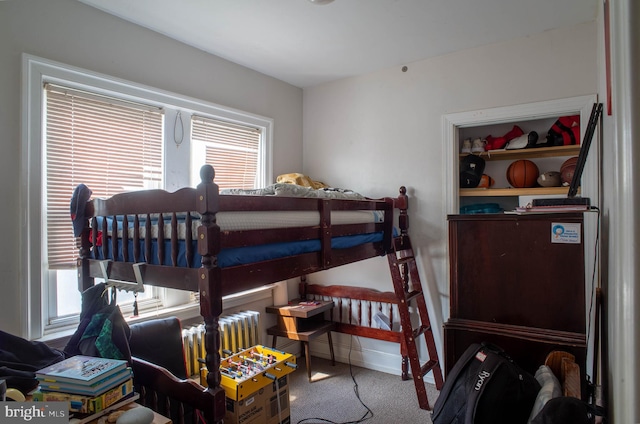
367,415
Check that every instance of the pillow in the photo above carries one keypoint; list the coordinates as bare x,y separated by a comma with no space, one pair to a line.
293,190
550,388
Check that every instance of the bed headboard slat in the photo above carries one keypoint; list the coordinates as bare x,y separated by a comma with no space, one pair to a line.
174,239
147,240
189,240
136,239
161,239
125,238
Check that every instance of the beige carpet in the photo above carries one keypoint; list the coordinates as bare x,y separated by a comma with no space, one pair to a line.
331,396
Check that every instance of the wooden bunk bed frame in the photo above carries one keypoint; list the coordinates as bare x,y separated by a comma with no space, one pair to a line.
209,280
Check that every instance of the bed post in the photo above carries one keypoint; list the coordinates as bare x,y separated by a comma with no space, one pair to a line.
209,286
402,203
84,244
402,241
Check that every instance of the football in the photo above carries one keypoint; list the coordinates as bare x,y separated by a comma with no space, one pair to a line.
550,179
486,181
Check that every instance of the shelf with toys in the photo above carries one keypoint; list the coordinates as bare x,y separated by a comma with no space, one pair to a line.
501,192
518,167
500,137
540,152
541,156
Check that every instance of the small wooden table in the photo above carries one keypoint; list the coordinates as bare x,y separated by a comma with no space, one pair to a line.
302,321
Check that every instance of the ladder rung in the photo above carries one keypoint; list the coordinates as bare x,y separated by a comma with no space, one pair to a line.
405,260
414,294
421,330
428,367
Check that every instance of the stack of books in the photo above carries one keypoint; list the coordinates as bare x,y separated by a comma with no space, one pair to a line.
90,385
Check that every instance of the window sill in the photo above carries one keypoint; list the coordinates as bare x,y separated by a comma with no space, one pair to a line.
188,313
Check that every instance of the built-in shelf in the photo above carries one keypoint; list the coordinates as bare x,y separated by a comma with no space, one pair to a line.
532,153
539,117
501,192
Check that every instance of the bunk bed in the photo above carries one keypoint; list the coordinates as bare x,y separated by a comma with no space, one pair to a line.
193,246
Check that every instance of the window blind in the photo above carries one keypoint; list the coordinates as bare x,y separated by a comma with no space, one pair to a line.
108,144
231,149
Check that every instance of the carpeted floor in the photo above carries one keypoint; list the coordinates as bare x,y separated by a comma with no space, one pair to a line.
331,396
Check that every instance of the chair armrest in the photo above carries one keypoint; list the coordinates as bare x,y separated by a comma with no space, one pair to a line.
149,377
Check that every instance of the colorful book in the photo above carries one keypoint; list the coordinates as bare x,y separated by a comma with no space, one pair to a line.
81,389
77,418
87,404
81,370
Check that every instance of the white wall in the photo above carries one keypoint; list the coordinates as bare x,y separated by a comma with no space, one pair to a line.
621,232
376,132
73,33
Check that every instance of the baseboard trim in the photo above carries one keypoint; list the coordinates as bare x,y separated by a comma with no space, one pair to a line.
389,363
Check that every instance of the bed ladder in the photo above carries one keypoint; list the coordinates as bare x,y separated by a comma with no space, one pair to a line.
408,289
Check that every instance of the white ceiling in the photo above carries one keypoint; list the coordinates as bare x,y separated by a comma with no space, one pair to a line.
306,44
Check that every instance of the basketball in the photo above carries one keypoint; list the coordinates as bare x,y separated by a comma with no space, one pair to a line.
568,162
566,175
522,173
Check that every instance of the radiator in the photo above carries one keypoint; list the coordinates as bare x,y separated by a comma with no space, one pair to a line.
237,331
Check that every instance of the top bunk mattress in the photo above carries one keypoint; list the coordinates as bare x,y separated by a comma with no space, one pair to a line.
231,221
245,220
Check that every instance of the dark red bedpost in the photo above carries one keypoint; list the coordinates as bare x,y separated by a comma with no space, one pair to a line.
402,203
210,287
402,241
83,242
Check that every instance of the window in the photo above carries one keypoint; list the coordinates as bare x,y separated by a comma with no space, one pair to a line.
115,136
231,149
91,139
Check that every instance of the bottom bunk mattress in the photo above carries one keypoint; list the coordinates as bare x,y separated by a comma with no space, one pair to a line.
237,255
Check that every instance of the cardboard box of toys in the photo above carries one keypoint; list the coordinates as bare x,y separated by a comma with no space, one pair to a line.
268,405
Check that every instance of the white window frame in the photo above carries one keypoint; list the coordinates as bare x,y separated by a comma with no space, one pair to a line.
177,173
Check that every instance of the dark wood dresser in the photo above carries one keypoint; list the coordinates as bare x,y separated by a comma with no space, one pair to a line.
517,281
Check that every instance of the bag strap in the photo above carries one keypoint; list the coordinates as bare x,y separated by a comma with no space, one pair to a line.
452,376
491,362
598,411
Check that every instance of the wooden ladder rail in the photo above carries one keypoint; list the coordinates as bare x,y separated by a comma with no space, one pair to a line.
408,288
